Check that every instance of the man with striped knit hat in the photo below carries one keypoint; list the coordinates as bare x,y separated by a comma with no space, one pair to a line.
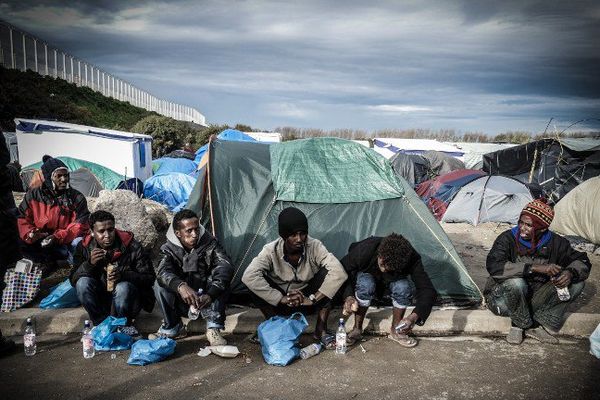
527,264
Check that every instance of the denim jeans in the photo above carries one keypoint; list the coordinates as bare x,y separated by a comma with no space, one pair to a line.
38,254
366,285
124,301
173,308
514,298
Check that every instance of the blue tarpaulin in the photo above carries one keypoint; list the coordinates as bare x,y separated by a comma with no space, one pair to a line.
166,165
228,134
172,189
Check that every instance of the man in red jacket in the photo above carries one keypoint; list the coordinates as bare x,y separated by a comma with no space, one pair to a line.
52,217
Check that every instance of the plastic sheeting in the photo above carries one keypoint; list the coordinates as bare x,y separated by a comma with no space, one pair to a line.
412,167
329,170
167,165
578,212
441,163
245,211
172,190
489,199
227,134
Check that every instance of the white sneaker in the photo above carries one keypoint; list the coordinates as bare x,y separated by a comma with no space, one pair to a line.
215,338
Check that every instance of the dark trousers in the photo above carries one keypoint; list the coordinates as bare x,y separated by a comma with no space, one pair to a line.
124,300
514,298
312,287
173,308
38,254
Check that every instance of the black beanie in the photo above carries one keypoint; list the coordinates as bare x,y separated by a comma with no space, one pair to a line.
50,165
292,220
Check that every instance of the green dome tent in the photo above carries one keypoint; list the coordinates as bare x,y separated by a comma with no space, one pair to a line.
87,177
347,191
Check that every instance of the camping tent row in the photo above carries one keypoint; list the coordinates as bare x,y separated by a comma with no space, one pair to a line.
247,184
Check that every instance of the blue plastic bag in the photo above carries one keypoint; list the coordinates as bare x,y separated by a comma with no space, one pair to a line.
595,342
63,295
279,338
150,351
105,337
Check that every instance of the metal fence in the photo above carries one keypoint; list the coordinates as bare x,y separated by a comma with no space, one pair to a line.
23,51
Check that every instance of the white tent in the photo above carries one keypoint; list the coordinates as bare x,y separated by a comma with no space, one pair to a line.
269,137
387,147
474,152
489,199
578,213
128,154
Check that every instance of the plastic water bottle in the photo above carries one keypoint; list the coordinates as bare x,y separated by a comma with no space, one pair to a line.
563,293
29,339
193,312
340,338
311,350
88,342
206,313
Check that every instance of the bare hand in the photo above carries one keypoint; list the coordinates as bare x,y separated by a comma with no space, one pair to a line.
204,301
97,255
36,235
563,280
114,276
293,299
547,269
48,241
350,305
409,323
188,295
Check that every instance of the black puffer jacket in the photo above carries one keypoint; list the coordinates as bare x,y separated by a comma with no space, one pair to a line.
133,264
205,266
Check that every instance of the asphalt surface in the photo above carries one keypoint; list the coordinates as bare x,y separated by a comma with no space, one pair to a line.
443,368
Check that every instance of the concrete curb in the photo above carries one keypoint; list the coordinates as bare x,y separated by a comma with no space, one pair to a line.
243,320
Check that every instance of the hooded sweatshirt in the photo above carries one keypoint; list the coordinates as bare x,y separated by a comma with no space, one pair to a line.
206,266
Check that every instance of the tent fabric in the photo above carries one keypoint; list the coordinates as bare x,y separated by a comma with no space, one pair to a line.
11,143
330,170
172,189
227,134
488,199
412,167
474,152
107,178
245,209
578,213
167,165
181,154
442,163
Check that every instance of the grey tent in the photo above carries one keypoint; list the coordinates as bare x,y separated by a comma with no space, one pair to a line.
441,163
489,199
412,167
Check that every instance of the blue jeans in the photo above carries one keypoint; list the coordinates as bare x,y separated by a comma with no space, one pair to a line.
173,308
401,291
124,301
38,254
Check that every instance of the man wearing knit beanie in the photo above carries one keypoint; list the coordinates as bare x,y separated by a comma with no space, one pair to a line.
295,273
52,217
527,265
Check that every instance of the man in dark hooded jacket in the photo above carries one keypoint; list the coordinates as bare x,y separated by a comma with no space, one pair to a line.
132,278
52,217
192,259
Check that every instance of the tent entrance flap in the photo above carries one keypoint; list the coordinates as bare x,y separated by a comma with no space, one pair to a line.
329,170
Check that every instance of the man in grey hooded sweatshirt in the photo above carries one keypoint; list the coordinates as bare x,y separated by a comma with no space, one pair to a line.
192,259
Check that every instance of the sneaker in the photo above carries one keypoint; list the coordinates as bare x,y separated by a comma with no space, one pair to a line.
215,338
130,331
178,332
541,335
515,335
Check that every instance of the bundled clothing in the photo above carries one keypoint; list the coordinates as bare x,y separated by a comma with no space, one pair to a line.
205,267
364,276
134,289
514,290
270,276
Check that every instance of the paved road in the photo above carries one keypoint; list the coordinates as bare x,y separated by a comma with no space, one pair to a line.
448,368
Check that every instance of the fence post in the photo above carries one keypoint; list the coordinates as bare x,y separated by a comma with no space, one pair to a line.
24,54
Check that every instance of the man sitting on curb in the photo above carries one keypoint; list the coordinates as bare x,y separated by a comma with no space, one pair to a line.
132,277
527,264
52,218
295,273
375,264
192,259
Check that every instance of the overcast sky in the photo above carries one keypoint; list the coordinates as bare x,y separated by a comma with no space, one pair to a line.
487,66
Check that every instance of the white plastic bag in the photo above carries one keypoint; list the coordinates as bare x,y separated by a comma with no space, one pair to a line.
595,342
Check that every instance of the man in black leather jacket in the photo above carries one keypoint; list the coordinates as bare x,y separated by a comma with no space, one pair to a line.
192,259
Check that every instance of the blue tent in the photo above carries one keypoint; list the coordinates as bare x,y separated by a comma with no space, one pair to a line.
228,134
172,189
166,165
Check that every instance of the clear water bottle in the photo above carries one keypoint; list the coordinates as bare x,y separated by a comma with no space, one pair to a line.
205,313
340,338
563,293
87,340
29,339
193,312
311,350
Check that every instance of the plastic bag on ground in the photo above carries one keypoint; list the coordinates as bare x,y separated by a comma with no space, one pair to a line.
107,339
62,295
595,342
145,352
279,338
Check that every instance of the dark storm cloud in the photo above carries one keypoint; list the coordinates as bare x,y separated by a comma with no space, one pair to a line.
462,64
